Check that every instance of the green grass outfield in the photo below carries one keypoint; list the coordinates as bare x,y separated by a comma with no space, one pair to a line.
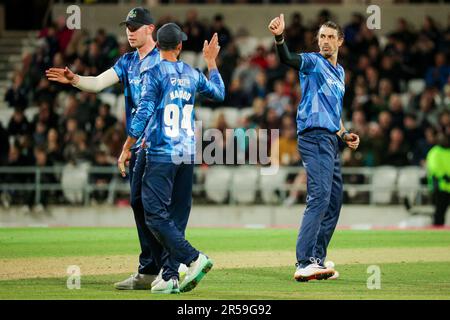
249,264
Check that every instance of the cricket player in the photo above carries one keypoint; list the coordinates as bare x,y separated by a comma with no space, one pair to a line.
319,126
139,28
166,115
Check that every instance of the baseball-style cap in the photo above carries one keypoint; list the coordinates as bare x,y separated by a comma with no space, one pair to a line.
137,17
169,35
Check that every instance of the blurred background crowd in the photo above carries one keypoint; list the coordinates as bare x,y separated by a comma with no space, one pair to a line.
397,92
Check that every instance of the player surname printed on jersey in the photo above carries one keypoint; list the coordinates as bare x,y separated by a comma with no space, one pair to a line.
180,94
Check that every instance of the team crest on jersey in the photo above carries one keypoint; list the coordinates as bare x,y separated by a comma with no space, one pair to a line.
180,82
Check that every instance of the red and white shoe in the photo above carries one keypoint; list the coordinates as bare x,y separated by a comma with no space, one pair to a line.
313,271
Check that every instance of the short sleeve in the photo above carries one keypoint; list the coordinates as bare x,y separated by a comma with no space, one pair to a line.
309,61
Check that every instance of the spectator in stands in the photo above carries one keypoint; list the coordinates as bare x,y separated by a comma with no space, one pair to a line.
385,122
413,134
42,161
427,114
236,96
63,34
259,58
376,144
277,100
295,33
44,92
104,111
54,153
98,131
352,29
17,94
284,152
4,145
195,31
275,70
396,110
259,85
71,127
396,153
437,76
19,125
108,46
224,34
258,116
114,138
77,150
46,115
40,134
227,62
101,180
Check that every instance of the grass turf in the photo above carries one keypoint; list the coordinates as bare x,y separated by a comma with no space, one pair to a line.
413,280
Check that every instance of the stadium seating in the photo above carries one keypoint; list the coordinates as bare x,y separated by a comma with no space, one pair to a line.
244,184
383,184
217,183
409,182
416,86
73,181
205,115
109,98
271,184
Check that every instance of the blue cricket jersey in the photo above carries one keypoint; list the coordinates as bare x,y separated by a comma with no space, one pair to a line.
323,89
129,68
167,102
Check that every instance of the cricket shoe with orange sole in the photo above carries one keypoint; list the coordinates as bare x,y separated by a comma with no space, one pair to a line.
313,271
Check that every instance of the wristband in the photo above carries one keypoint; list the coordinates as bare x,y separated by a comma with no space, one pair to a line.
343,135
279,39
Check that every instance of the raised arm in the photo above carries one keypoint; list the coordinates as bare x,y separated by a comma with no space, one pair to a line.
89,84
276,27
214,88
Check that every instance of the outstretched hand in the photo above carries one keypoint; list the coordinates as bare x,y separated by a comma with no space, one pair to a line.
276,26
60,75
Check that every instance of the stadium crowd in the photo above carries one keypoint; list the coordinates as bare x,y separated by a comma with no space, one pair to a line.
397,126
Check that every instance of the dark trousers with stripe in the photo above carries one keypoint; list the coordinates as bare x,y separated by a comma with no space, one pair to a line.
167,200
149,263
320,156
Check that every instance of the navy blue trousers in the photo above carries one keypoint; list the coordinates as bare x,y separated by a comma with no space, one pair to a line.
149,258
320,155
167,200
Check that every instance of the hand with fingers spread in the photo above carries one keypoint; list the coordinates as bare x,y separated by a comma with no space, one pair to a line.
211,51
276,26
60,75
352,140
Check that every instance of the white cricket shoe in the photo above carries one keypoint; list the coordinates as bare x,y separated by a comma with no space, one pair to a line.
136,281
313,271
181,271
195,272
166,287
